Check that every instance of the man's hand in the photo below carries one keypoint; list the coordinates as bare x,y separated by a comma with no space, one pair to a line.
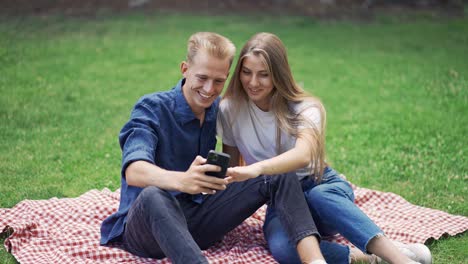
195,181
242,173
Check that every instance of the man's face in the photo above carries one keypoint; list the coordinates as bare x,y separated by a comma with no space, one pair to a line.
204,80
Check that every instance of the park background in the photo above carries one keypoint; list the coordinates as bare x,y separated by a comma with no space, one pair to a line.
392,76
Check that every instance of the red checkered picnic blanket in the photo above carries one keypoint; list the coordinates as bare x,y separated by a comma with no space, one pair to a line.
68,230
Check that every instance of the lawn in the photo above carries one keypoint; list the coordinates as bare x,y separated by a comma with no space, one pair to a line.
395,90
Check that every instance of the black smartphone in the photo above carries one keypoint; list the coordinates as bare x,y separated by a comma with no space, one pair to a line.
219,159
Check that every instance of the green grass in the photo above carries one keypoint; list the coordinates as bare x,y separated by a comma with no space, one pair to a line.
396,94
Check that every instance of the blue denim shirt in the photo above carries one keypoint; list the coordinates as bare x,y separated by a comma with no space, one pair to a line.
164,131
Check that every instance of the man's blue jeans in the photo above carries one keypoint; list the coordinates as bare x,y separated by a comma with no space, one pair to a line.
332,206
160,225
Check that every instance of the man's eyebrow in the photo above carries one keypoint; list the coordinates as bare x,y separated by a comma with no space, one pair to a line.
200,75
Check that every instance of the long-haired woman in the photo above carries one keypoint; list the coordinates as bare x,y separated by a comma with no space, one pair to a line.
274,126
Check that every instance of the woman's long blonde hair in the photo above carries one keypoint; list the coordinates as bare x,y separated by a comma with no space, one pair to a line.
272,51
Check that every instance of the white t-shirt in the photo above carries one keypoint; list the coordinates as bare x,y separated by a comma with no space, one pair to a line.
253,131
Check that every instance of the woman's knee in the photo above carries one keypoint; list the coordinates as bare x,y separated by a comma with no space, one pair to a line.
278,243
318,195
329,193
325,198
282,250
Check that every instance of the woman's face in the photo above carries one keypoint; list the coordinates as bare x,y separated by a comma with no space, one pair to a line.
256,81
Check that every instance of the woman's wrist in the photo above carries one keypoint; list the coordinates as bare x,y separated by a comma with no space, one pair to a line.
258,168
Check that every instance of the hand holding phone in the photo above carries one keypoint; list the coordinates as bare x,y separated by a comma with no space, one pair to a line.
219,159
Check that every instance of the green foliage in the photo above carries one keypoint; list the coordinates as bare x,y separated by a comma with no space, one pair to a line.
395,92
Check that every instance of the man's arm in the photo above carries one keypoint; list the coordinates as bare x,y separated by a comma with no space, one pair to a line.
142,174
193,181
138,140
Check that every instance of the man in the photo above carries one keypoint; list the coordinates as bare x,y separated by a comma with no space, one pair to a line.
162,211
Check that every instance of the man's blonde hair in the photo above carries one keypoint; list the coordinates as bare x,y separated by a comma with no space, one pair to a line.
216,45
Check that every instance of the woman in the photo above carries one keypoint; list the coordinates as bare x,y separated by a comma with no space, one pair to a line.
267,120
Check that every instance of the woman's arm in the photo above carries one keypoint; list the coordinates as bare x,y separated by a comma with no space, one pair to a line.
297,157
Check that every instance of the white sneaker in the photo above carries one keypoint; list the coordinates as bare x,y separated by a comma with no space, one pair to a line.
417,252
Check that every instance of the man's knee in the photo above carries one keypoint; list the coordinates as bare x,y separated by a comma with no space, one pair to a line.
156,198
151,193
286,179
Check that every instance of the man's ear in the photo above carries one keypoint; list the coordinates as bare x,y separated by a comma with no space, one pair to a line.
184,68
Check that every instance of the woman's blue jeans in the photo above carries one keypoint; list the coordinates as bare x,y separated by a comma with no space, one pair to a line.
331,204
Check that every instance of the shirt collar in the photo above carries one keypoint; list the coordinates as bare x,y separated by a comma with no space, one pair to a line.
183,111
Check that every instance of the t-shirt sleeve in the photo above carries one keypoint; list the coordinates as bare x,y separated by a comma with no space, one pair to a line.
223,124
138,138
311,117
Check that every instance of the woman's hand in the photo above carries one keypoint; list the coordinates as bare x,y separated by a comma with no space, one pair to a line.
242,173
